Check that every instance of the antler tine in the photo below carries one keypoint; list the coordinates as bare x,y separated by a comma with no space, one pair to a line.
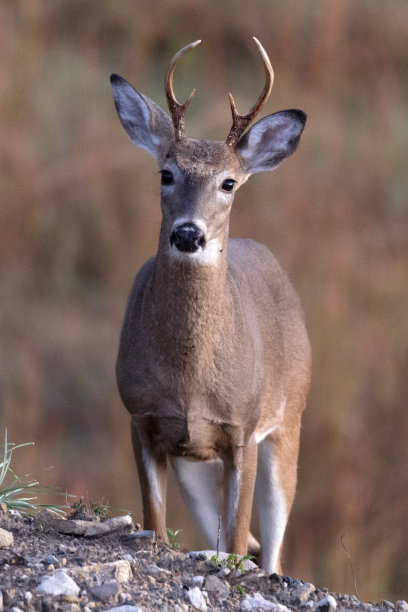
241,122
177,110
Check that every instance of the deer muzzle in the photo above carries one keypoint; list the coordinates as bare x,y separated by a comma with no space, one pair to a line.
188,238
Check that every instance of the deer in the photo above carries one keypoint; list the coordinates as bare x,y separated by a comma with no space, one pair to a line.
214,358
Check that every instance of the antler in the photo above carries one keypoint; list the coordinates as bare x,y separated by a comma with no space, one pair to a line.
241,122
177,110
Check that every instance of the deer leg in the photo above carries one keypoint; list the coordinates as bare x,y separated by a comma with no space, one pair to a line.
239,481
274,493
152,472
200,486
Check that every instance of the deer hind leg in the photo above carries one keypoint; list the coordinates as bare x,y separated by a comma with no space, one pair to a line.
274,493
152,472
200,484
200,487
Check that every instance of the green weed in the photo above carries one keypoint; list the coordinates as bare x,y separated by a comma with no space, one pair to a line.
172,535
22,493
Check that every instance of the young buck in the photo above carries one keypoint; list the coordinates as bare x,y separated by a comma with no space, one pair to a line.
214,359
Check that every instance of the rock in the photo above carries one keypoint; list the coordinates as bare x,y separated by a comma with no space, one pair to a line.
6,538
222,557
51,560
138,537
122,570
58,584
303,592
218,589
155,569
47,519
202,555
197,581
401,605
105,591
196,599
327,604
224,572
71,526
108,526
258,602
1,601
125,608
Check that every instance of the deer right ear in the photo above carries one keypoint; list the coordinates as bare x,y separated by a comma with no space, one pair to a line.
148,126
271,140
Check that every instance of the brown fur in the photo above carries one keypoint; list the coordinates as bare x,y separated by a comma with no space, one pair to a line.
213,353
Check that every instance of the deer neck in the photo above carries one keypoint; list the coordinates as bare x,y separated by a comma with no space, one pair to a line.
189,302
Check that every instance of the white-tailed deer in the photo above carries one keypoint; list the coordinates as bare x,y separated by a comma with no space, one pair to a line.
214,359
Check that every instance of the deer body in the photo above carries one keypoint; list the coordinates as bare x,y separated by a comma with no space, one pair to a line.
214,359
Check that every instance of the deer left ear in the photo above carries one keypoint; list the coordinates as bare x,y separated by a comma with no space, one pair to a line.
271,140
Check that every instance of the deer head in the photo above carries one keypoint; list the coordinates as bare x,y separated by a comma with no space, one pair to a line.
200,177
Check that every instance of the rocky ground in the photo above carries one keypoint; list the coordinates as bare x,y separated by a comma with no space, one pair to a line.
82,564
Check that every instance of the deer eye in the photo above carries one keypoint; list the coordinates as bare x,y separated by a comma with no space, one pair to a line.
166,177
228,185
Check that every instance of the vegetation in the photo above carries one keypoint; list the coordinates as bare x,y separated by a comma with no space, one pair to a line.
172,535
21,493
233,562
80,213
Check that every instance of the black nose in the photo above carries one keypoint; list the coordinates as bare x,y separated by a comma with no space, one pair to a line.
188,238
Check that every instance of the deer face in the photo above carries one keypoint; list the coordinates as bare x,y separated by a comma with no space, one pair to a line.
199,180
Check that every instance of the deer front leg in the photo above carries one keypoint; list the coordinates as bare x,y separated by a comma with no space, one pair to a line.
152,470
239,482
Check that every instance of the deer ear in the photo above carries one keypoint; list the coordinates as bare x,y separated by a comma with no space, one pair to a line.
271,140
148,126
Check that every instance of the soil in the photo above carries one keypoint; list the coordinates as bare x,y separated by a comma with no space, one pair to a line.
122,571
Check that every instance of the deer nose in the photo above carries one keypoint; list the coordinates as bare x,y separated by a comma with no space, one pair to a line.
188,238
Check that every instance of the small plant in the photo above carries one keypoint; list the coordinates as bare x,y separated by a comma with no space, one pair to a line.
172,535
233,562
241,589
85,509
17,493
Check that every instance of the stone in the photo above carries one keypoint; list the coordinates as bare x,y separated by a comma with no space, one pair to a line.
222,557
303,592
51,560
122,571
1,601
224,572
218,589
125,608
109,526
196,598
258,602
58,583
202,555
105,591
197,581
6,538
138,537
155,569
327,604
72,526
401,605
47,519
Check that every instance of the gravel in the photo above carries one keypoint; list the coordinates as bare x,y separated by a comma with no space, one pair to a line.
124,570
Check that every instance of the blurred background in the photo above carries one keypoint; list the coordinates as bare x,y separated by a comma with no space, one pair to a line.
79,213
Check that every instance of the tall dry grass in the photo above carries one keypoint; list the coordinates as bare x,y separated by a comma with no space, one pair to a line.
79,214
